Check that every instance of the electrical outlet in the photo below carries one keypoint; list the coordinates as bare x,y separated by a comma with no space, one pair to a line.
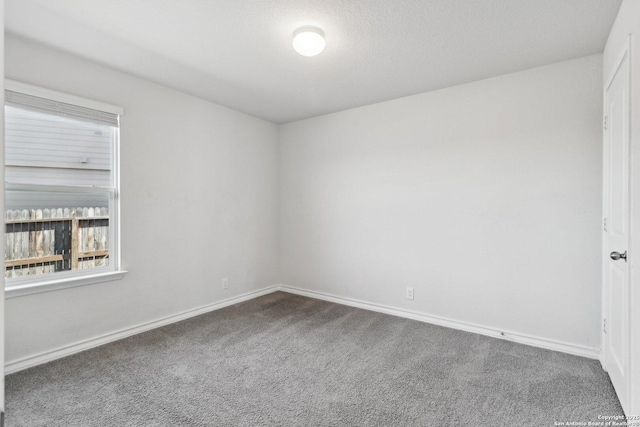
225,283
409,293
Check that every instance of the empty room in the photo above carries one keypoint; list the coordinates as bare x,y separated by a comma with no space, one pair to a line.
320,213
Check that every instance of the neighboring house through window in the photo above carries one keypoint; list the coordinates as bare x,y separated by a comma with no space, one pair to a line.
61,190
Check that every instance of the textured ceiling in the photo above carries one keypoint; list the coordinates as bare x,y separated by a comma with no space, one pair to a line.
238,52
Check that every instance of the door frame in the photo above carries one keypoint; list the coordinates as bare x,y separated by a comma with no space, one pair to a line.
2,229
624,54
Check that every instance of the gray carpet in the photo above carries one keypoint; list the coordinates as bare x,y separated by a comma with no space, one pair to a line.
286,360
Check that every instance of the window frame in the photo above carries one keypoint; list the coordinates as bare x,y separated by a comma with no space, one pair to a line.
21,286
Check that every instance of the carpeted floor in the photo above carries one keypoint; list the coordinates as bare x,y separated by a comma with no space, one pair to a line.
286,360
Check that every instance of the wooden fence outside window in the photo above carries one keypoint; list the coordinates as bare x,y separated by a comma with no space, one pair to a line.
41,241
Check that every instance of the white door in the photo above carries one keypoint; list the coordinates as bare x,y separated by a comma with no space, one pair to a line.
616,231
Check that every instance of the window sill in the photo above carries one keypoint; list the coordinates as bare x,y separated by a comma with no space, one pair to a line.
56,284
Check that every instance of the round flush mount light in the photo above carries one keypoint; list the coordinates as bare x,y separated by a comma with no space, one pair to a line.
308,41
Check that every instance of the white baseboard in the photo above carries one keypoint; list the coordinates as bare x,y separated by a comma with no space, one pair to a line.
578,350
47,356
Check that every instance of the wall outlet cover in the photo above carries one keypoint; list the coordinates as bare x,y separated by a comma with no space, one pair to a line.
409,293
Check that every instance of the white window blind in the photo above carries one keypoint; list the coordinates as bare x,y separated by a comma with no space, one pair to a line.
43,105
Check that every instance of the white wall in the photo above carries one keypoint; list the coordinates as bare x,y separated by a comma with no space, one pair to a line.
485,197
627,28
199,203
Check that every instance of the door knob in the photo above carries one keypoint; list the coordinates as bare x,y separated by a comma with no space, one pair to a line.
616,256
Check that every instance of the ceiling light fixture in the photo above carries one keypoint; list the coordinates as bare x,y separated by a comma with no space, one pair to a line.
308,41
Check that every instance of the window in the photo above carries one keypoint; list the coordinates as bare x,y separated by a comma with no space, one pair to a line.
61,190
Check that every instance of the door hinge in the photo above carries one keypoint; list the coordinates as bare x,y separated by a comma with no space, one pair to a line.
604,122
604,224
604,326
